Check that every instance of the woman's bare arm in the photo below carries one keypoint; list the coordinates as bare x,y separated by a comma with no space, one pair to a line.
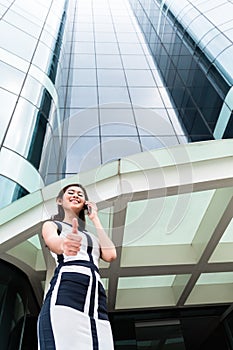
70,245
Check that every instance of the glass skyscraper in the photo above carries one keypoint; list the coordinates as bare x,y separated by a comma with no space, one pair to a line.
132,98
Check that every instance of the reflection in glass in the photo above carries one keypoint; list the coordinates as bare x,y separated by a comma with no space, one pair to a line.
30,141
131,49
146,97
11,78
83,47
51,157
107,48
108,61
42,57
113,95
151,123
24,45
14,191
7,102
82,122
153,142
33,91
139,77
111,77
105,37
135,62
22,23
83,61
122,116
83,154
118,129
82,77
83,97
116,147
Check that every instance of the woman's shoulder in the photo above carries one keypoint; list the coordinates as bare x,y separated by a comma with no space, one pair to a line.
53,224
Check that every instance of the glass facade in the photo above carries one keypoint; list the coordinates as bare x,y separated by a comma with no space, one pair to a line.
192,44
31,80
116,103
79,88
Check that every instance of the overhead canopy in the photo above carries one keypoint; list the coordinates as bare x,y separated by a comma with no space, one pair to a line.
168,211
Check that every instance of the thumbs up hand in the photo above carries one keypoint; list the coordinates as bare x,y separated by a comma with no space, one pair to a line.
72,242
75,226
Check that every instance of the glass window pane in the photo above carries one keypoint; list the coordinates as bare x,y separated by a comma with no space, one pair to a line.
83,47
111,77
33,91
83,61
139,77
76,162
85,36
116,147
43,57
225,63
218,44
221,14
83,27
105,37
82,77
22,23
34,9
135,62
154,142
17,41
113,95
124,27
107,48
2,9
127,37
51,156
14,191
131,49
7,102
24,173
103,18
108,61
81,97
146,97
104,27
151,122
84,121
47,38
117,122
11,78
118,129
24,118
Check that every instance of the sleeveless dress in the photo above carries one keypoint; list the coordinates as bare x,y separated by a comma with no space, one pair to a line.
74,313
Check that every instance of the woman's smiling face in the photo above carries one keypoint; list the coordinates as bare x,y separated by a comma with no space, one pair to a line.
73,199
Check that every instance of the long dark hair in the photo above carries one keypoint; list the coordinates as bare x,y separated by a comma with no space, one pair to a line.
61,214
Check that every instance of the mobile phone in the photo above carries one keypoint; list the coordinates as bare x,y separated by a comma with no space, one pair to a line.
87,209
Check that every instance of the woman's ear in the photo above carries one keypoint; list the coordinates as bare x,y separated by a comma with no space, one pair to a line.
59,201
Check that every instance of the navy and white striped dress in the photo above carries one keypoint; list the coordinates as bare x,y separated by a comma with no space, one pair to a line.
74,314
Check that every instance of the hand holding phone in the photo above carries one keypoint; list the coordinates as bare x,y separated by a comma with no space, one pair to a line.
87,209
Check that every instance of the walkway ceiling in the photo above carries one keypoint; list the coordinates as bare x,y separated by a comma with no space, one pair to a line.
169,212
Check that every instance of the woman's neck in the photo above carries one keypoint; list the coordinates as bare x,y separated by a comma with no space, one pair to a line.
69,216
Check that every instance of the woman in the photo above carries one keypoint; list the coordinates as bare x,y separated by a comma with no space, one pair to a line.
74,314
